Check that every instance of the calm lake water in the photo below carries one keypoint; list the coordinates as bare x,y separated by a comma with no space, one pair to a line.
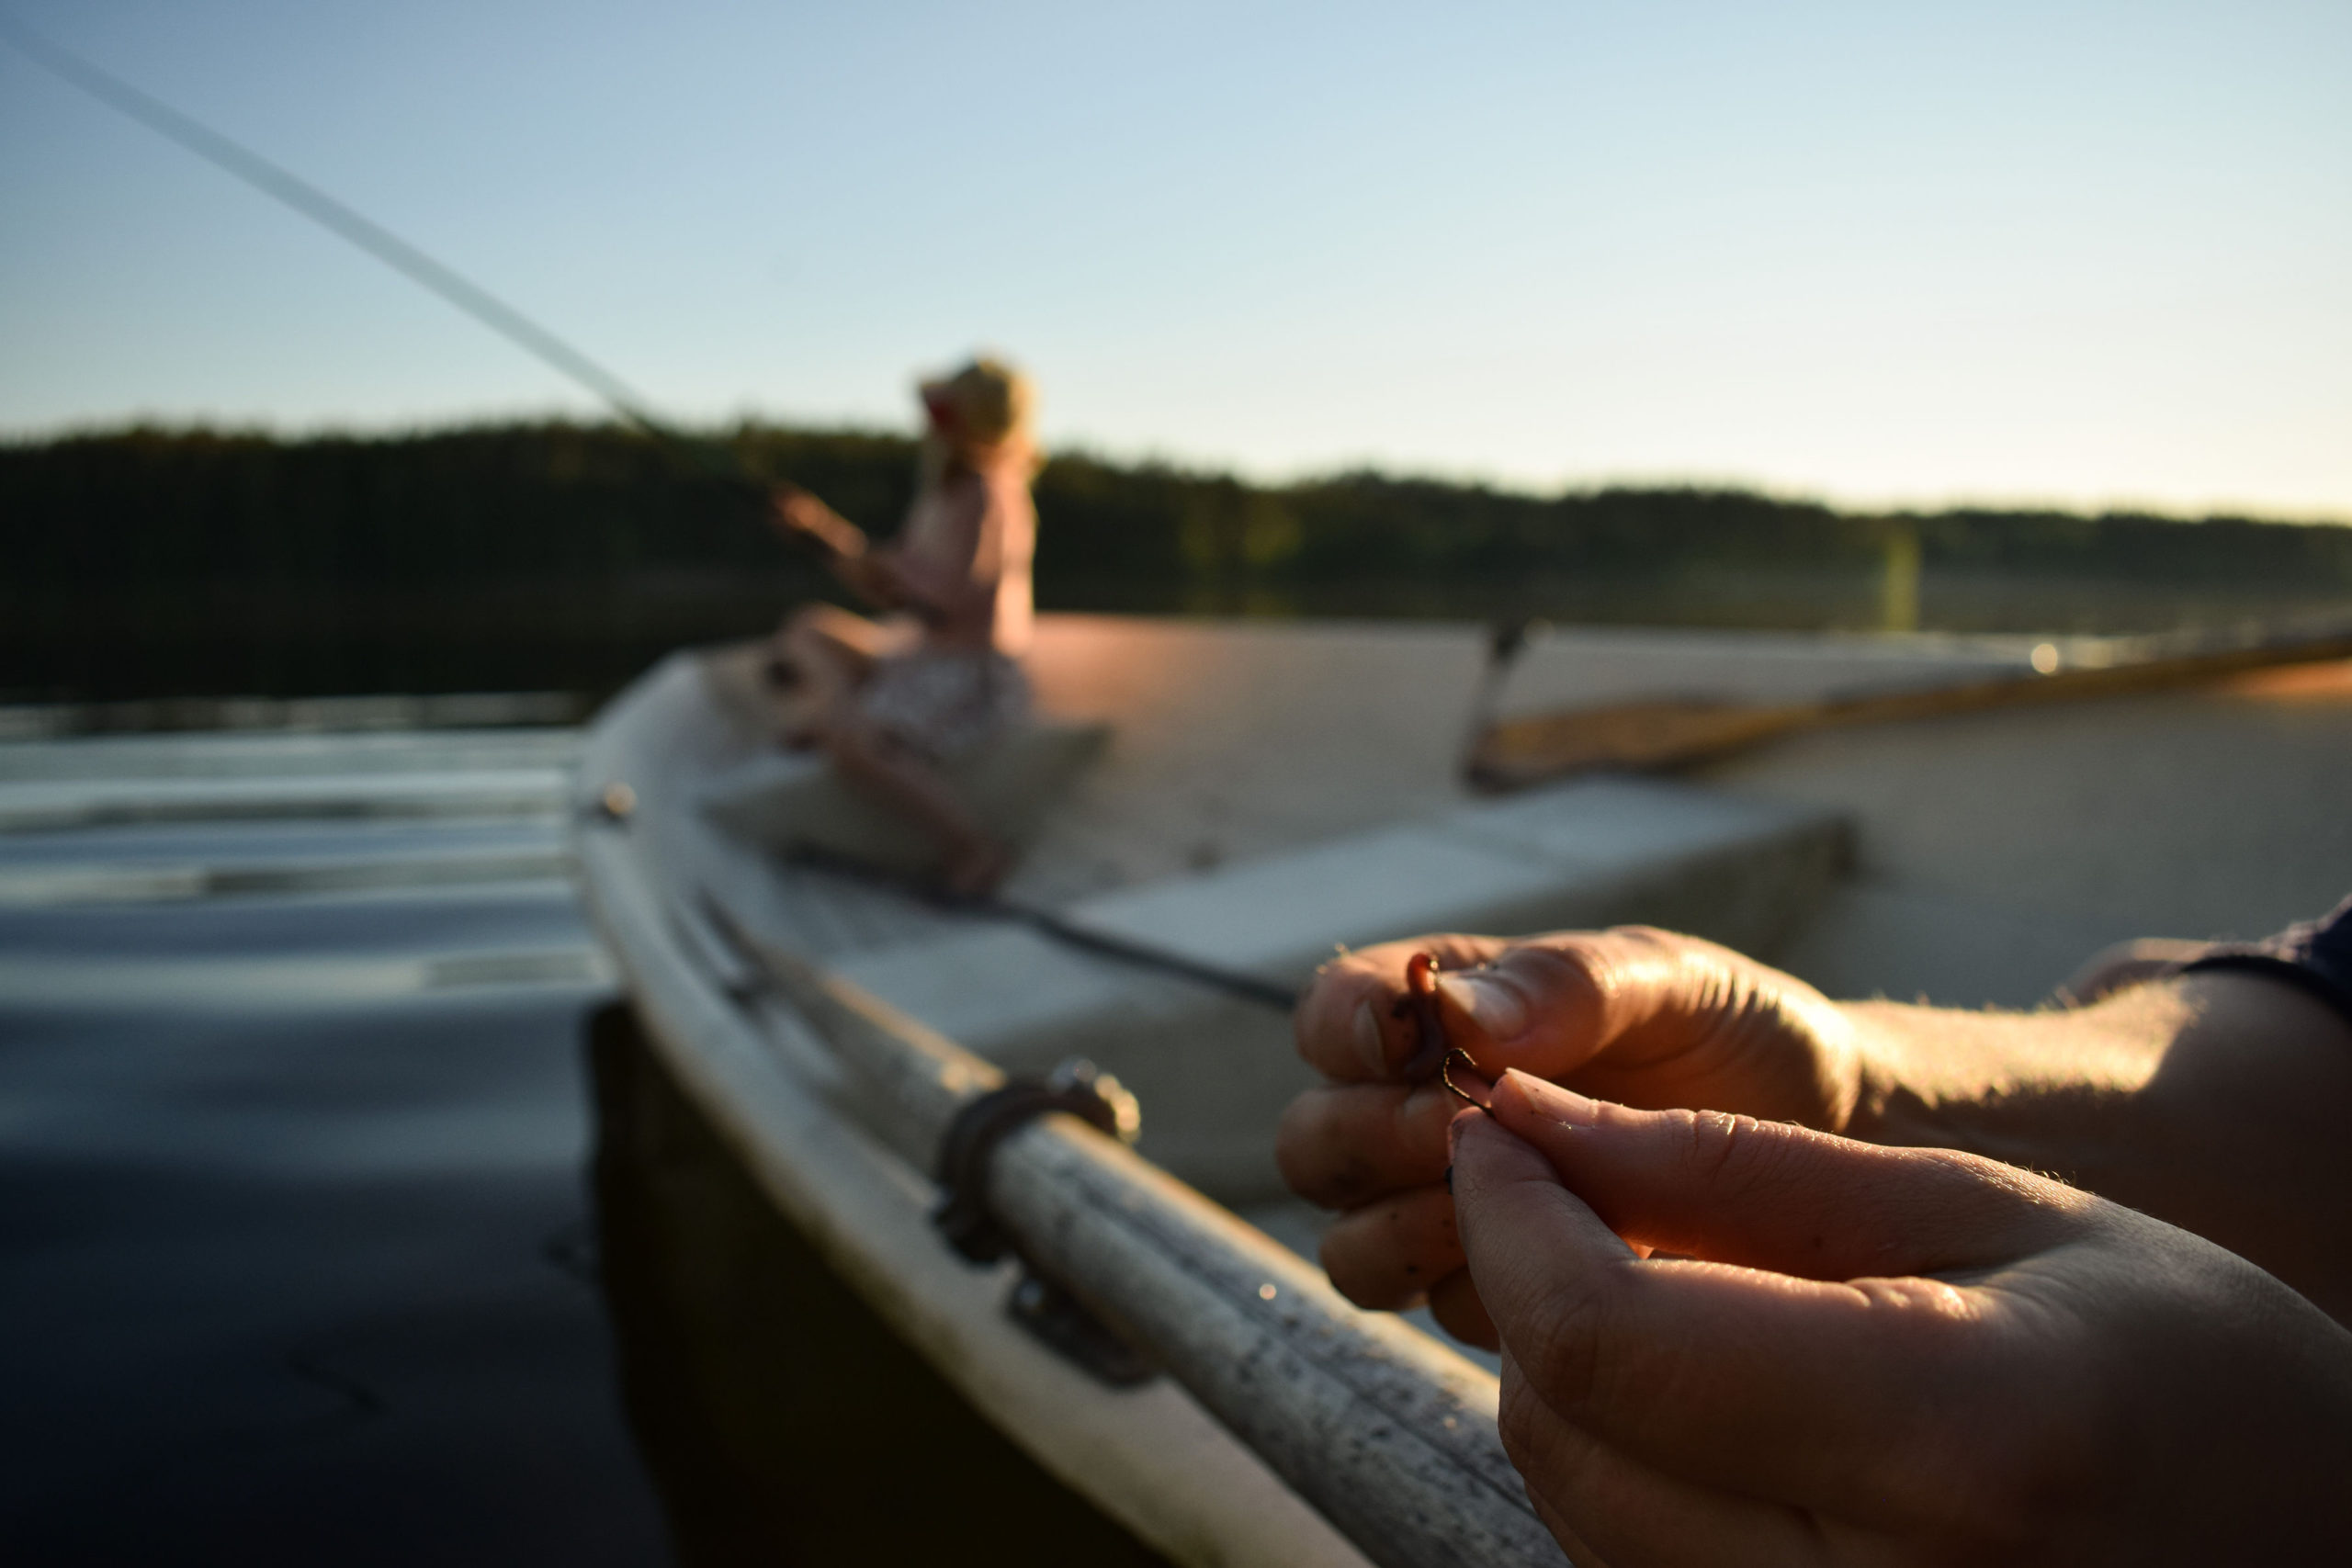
297,1258
347,1219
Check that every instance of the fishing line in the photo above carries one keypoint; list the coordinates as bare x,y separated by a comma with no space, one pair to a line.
275,180
291,189
1234,983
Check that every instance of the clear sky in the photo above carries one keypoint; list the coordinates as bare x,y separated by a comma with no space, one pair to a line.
1886,252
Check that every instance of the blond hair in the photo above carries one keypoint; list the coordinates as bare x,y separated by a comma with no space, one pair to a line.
993,410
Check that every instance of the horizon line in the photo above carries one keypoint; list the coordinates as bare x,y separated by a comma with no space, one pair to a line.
1111,454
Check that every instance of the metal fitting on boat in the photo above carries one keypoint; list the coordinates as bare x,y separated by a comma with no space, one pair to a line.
1076,1087
1038,1303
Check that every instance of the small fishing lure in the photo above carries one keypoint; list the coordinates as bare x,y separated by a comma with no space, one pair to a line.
1432,1046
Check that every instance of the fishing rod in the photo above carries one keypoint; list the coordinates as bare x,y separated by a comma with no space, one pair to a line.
1235,983
275,180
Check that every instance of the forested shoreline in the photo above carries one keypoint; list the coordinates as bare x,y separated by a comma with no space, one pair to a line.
151,562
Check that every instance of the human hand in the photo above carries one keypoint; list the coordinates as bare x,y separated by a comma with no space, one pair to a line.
1639,1016
1863,1354
795,510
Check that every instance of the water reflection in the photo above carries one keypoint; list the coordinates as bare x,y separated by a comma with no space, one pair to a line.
300,1283
299,1259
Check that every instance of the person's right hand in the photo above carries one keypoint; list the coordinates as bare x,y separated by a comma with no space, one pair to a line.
1637,1016
1838,1353
796,511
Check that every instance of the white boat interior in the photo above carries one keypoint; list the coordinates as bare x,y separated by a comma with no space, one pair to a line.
1271,789
1267,789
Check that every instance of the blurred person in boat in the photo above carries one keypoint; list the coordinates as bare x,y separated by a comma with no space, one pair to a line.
1776,1277
940,673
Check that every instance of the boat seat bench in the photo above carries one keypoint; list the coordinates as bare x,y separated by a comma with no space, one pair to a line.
1214,1071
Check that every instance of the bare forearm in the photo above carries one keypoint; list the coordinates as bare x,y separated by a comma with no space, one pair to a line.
2051,1091
864,574
2216,1102
795,511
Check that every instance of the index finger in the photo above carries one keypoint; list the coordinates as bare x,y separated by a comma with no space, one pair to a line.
1825,1394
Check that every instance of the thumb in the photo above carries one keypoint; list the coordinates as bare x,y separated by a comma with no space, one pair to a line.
1545,1005
1776,1196
1634,997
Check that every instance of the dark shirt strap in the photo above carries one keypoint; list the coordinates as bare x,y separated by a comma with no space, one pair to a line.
2316,955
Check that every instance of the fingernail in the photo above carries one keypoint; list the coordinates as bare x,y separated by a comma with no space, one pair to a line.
1453,1145
1493,1005
1368,1044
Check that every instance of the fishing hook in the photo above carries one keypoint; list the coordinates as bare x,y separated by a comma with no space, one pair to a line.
1421,1000
1469,1063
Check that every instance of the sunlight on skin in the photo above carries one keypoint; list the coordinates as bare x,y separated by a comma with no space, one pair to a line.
2194,1100
1787,1408
1725,1335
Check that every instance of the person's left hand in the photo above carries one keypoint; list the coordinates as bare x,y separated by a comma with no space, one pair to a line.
1647,1016
1726,1340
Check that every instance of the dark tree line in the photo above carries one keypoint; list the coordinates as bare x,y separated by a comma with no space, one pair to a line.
146,560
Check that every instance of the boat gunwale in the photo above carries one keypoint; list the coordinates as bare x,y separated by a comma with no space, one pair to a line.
1151,1457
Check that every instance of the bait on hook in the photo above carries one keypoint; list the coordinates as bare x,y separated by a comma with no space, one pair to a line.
1420,1003
1432,1049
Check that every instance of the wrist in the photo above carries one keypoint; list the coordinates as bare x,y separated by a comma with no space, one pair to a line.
2204,1101
2244,1121
2055,1091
